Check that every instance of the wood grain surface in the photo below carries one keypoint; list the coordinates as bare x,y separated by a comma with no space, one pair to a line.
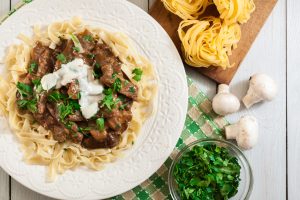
250,30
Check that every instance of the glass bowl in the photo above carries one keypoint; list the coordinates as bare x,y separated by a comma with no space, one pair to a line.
245,185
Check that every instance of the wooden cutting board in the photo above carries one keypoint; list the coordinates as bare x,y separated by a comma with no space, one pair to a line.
250,30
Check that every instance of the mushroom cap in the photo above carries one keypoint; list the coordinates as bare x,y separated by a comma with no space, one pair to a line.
248,132
225,103
263,86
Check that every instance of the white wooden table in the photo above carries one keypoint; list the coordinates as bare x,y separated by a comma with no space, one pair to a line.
276,159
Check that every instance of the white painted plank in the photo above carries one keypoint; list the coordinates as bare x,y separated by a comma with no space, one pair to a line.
19,192
141,3
268,158
14,2
4,185
4,178
293,62
4,7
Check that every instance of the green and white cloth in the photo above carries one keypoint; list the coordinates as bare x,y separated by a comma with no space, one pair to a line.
201,122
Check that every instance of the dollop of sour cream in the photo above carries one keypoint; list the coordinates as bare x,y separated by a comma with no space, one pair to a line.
91,90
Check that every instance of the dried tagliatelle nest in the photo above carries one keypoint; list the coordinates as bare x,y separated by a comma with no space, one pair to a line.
209,41
187,9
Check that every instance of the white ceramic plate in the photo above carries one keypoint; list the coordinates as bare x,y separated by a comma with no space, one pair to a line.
159,134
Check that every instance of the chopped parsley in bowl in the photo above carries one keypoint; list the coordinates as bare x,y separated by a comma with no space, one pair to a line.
210,169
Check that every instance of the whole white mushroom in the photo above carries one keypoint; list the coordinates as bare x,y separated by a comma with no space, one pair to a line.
224,102
245,132
262,87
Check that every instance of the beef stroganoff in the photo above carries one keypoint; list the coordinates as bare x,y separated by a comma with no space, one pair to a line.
75,95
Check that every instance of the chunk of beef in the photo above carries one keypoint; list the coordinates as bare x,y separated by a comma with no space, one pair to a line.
119,120
100,136
69,50
87,41
76,137
41,104
27,79
73,89
105,56
110,65
66,48
59,133
129,89
74,127
42,55
52,108
45,119
76,117
112,140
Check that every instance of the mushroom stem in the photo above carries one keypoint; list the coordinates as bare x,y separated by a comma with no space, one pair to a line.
224,102
223,88
232,131
251,98
245,132
261,87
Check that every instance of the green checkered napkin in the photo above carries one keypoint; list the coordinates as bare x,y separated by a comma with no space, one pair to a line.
200,122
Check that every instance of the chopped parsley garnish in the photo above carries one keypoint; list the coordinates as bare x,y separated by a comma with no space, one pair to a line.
33,67
83,129
36,82
30,105
207,172
56,96
109,101
108,91
37,85
74,104
122,97
88,38
114,75
77,49
138,74
117,85
126,82
24,89
96,74
123,106
132,89
78,95
91,56
97,65
62,58
77,46
100,123
64,111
